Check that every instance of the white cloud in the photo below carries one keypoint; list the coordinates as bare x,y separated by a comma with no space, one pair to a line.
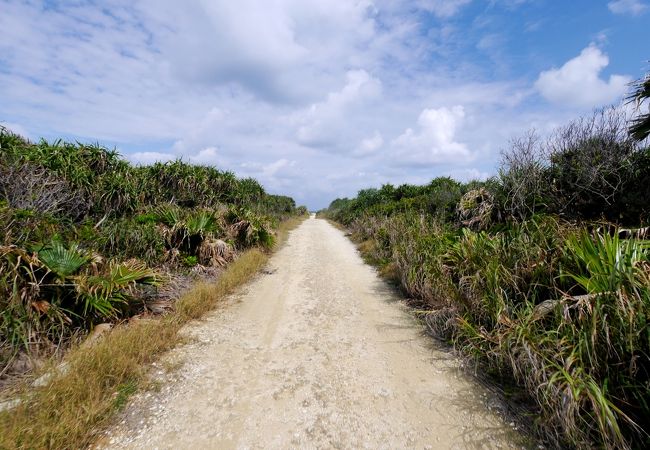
324,124
310,97
145,158
276,167
443,8
577,83
466,175
202,132
633,7
435,140
370,144
206,156
276,50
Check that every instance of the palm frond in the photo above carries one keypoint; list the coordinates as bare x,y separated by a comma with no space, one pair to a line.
102,294
201,223
63,261
640,126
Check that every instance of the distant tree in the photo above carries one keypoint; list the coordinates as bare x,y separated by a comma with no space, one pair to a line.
443,196
640,127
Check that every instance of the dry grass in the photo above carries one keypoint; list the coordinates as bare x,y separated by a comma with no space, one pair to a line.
337,225
390,272
97,382
79,401
285,227
205,296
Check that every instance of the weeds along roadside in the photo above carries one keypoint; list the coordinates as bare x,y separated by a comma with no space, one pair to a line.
77,402
88,239
537,305
544,305
550,296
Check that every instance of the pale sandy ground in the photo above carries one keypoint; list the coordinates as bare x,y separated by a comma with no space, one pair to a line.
316,352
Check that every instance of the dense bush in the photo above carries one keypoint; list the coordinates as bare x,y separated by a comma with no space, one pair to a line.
589,169
83,232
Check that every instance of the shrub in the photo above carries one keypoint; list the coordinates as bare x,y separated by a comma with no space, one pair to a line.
589,162
47,293
583,171
523,178
476,209
126,238
28,186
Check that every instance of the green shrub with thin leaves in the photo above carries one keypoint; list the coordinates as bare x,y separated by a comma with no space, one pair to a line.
541,303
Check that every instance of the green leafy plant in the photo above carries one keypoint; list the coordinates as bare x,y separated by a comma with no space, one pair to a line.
190,260
62,261
104,294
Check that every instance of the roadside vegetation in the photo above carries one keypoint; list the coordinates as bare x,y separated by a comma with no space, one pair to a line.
86,238
540,275
80,397
90,242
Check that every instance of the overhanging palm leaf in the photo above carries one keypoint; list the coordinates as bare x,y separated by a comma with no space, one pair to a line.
640,126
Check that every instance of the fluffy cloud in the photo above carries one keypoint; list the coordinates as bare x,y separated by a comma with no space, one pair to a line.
370,144
443,8
435,140
324,123
277,167
315,99
276,50
145,158
634,7
468,175
577,83
207,156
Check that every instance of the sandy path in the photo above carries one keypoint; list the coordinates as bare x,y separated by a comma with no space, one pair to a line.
317,352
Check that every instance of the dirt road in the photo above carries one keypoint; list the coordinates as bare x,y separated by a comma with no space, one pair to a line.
317,352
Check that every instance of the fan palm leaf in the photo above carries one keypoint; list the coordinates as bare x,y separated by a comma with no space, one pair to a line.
102,294
201,223
62,261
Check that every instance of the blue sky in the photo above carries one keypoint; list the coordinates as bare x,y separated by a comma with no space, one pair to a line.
315,98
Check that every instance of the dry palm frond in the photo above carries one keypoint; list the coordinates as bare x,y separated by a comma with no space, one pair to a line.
215,252
475,209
